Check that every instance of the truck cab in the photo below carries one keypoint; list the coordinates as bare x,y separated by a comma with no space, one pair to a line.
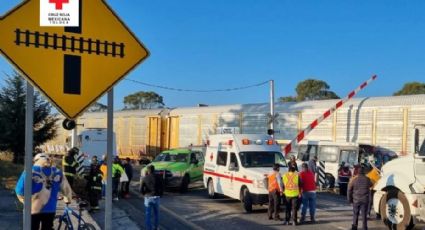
399,194
237,166
93,142
179,167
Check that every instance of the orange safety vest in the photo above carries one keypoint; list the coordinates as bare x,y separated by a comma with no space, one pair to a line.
273,185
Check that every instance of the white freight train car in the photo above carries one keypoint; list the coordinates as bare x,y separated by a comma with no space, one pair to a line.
381,121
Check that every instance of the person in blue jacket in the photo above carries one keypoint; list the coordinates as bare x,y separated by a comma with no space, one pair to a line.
47,182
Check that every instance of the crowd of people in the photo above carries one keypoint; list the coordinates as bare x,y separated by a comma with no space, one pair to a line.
297,190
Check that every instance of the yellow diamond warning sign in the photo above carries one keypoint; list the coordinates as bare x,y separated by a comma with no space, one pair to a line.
72,66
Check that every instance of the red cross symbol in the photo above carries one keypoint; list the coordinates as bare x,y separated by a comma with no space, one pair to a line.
59,3
211,157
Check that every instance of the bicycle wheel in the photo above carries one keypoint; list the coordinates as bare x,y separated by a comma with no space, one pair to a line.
87,226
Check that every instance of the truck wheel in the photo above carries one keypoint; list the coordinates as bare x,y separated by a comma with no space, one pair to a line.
185,184
395,211
211,191
246,200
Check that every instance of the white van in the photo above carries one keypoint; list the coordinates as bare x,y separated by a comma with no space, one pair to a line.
237,165
332,153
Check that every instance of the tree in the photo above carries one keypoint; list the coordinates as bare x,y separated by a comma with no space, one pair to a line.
287,99
143,100
312,89
12,118
97,107
411,88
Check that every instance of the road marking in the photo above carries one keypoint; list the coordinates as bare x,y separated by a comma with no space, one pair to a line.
171,213
231,216
192,215
337,208
183,220
213,215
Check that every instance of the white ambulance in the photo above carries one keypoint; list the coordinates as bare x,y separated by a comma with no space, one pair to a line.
237,165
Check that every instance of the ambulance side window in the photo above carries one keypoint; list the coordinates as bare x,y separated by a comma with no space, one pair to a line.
233,161
222,158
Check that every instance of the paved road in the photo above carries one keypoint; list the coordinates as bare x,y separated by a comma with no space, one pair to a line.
194,210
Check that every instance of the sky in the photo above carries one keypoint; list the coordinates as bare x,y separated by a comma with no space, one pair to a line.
219,44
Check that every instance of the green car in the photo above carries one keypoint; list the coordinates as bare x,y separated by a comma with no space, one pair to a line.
178,167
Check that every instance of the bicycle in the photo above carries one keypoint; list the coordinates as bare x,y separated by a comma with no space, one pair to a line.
65,219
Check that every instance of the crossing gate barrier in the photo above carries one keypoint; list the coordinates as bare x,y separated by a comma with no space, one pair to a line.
322,181
80,160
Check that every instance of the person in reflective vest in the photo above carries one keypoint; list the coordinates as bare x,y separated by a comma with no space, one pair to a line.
70,164
275,189
292,187
94,184
117,171
344,176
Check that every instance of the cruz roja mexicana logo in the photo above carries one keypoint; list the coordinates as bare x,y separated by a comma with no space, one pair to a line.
59,12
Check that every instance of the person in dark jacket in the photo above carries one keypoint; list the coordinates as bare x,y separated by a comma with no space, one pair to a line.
359,195
94,184
129,171
344,176
293,162
70,164
152,185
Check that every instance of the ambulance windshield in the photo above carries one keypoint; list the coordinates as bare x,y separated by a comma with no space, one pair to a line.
261,159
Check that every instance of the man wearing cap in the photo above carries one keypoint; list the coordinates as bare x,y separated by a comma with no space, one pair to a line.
275,189
70,164
47,181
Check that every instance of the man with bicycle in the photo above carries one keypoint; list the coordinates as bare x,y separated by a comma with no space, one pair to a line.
47,181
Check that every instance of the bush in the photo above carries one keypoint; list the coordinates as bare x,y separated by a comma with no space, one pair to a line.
9,174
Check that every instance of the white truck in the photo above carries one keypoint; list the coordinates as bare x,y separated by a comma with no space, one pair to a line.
237,166
93,142
399,195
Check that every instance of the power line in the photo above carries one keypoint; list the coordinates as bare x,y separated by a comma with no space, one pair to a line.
196,90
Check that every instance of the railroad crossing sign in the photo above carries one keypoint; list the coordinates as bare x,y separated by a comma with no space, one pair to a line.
72,66
271,119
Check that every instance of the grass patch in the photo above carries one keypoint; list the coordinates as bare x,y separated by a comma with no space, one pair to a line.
9,174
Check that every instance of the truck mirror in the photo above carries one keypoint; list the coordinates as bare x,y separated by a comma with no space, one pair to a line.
194,161
417,140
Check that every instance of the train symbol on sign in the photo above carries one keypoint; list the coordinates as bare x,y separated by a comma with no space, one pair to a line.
71,66
81,45
72,63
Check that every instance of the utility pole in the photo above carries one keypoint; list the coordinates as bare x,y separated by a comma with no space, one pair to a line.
109,155
272,116
29,137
